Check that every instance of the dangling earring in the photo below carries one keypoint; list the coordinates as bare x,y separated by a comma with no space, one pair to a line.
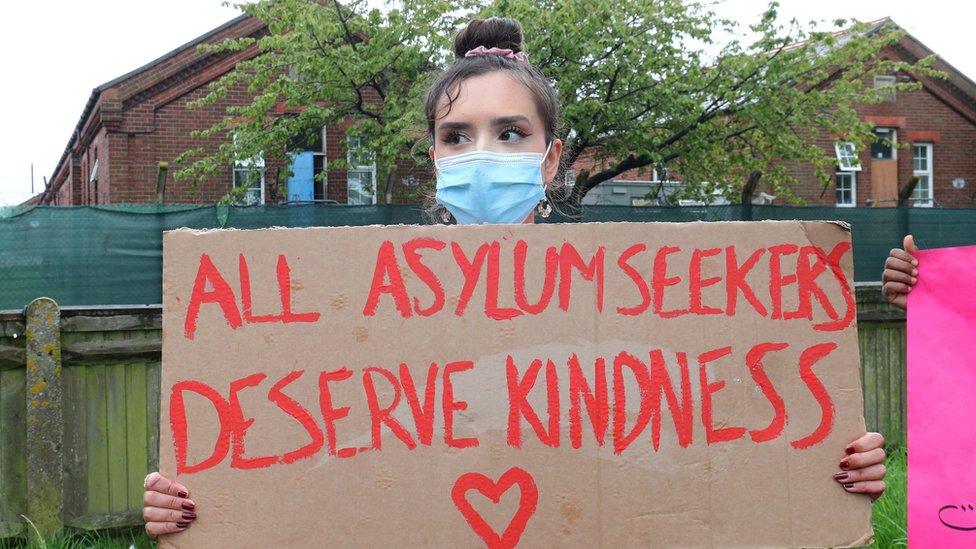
445,216
544,208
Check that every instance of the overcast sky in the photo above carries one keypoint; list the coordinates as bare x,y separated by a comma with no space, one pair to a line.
56,52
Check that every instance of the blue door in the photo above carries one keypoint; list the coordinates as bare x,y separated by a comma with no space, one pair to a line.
300,184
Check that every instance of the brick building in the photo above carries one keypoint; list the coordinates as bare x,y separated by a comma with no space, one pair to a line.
934,131
140,119
133,123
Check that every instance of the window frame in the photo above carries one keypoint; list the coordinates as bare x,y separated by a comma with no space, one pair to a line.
852,190
249,169
844,160
253,164
93,180
929,173
359,168
323,154
893,136
882,81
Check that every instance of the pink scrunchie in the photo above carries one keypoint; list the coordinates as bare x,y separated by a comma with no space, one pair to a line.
501,52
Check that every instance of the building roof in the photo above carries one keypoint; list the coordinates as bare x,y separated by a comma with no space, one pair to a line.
958,91
115,82
957,84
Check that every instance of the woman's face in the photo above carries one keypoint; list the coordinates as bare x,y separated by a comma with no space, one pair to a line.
493,112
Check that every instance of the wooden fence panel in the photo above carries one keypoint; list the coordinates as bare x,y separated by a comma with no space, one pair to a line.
113,372
13,441
13,426
881,338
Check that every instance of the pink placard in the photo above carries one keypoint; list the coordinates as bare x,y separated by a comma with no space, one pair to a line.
942,400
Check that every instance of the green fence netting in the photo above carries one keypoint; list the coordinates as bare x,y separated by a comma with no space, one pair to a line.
112,255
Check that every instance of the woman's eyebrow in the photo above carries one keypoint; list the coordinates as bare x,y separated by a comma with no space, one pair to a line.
453,126
500,121
509,120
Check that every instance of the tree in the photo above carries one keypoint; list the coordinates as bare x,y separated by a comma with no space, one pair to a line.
328,63
644,84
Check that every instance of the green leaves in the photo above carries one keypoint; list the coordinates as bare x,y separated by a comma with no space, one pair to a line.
642,83
326,64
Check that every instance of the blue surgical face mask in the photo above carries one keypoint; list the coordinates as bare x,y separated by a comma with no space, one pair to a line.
490,187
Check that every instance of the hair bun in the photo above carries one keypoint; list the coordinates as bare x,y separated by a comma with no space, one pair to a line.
494,32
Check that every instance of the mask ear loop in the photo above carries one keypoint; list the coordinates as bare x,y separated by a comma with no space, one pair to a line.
544,208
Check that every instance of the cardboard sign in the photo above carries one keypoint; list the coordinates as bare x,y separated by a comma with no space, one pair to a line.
617,384
941,409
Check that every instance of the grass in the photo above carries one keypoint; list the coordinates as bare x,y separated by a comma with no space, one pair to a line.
888,517
120,538
889,511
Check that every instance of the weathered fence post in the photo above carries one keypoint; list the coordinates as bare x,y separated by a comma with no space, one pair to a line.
45,418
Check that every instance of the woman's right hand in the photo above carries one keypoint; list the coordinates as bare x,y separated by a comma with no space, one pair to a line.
167,507
900,273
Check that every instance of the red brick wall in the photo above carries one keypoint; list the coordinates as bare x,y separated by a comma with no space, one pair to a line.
589,161
929,120
93,192
149,136
144,120
152,132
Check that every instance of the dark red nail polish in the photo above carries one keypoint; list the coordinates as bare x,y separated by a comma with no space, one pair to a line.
849,450
845,464
841,476
849,485
188,506
182,524
189,516
182,493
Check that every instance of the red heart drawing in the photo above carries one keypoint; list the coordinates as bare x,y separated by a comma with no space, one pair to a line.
493,491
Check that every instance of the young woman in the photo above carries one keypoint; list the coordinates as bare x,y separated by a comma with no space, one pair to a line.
493,121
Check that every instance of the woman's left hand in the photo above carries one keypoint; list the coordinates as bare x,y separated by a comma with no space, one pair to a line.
863,469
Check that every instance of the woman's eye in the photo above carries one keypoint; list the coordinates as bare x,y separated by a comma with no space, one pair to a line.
455,139
512,134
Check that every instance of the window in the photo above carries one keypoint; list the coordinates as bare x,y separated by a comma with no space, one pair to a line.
847,156
570,178
249,173
361,176
887,83
922,169
846,189
93,179
885,144
319,167
251,177
660,173
309,167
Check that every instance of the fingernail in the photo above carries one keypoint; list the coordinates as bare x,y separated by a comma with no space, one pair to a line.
914,262
914,280
188,506
838,476
845,464
849,450
190,516
182,524
182,493
849,485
